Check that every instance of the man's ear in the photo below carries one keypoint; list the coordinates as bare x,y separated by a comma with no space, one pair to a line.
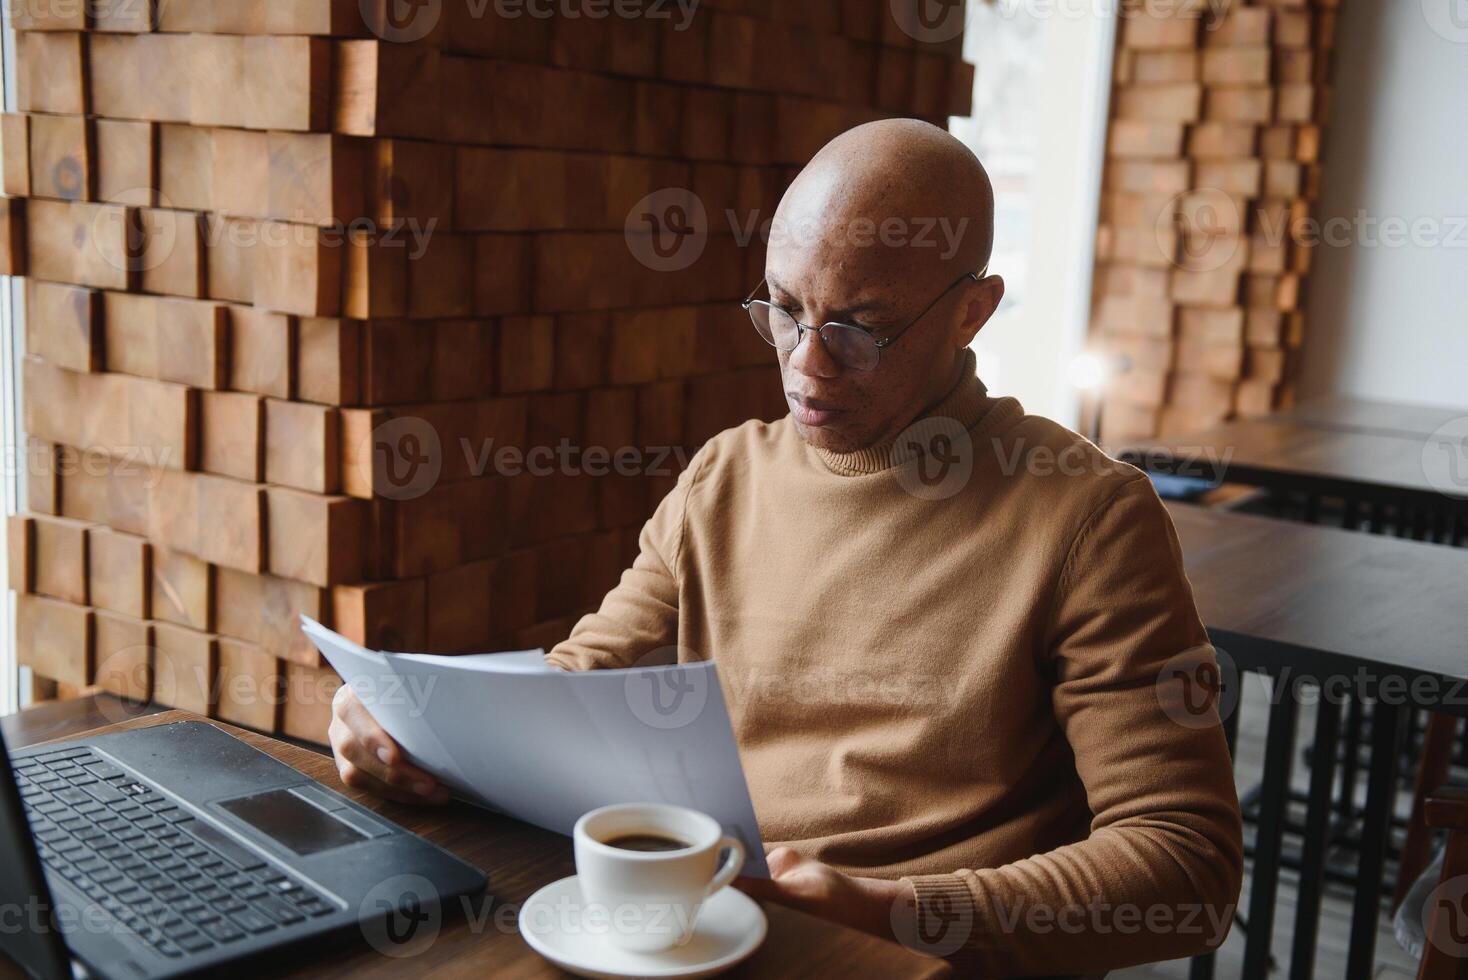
980,302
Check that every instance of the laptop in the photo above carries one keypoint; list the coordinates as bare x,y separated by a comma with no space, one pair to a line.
177,849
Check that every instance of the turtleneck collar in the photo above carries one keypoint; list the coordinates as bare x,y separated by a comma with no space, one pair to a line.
966,402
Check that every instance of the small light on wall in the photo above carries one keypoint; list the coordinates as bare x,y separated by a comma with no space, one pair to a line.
1088,372
1091,373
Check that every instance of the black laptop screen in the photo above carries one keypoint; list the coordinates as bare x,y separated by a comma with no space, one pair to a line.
290,820
28,933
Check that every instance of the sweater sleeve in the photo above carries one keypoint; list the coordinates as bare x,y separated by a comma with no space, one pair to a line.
640,615
1158,877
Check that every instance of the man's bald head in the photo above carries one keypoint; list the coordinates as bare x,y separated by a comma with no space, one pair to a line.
881,221
925,186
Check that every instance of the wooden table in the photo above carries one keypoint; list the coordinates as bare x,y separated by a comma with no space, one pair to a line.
1288,455
518,859
1293,595
1357,617
1370,416
1382,473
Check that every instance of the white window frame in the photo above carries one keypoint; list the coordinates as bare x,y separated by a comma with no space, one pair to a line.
12,349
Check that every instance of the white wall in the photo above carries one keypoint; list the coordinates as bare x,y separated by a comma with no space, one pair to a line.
1391,321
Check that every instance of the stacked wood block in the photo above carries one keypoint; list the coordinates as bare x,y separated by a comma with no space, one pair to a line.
315,299
1212,168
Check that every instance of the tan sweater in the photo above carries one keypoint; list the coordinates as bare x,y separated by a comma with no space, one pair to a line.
956,684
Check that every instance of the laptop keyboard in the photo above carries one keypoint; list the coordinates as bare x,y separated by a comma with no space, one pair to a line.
178,883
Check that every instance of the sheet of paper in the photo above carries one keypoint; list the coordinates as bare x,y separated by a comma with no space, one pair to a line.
397,707
519,661
544,745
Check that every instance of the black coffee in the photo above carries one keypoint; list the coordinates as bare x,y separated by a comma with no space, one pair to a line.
646,842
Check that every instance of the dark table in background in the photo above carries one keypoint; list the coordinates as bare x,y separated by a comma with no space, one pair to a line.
1372,417
1295,601
1288,455
1381,477
1305,596
518,859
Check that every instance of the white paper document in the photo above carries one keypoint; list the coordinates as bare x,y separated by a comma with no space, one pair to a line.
510,732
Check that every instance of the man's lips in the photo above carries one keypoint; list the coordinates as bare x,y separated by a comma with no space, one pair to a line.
812,411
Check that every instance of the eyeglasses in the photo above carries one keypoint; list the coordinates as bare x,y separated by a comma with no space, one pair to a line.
851,346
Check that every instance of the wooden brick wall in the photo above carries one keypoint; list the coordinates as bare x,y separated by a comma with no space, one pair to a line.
1211,172
296,279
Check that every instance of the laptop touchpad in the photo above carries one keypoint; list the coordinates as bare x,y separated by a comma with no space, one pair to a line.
292,822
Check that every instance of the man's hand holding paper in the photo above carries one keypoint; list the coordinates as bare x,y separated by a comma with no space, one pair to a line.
508,732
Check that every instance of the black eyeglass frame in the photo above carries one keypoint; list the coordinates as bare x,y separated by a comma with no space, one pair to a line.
881,345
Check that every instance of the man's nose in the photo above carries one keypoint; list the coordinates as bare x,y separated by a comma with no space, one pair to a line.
811,358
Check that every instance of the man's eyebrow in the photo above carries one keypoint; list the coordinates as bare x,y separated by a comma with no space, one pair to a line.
775,285
844,313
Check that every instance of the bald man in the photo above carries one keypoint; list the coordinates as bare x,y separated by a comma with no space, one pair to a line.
952,635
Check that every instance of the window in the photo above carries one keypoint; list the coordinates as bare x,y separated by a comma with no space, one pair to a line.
1004,45
1039,125
12,348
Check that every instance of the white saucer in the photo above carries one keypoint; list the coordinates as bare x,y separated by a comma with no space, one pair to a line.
730,928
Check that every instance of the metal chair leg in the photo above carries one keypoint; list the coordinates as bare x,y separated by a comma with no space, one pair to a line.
1279,755
1317,844
1386,735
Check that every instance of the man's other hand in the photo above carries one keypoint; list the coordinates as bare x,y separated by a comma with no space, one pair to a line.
810,886
368,759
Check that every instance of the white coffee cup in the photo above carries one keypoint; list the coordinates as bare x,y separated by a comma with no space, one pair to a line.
649,900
